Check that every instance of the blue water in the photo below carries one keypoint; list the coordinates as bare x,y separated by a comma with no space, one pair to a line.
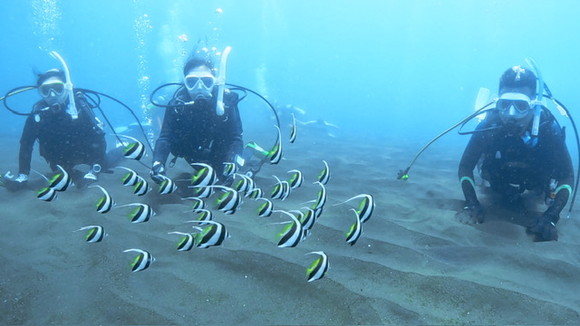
406,68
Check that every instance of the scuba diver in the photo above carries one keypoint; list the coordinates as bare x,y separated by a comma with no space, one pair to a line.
522,148
202,123
66,137
68,131
518,146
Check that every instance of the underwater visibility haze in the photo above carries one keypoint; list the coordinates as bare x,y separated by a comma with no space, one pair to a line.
370,83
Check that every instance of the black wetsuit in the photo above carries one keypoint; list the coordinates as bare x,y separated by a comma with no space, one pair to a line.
513,164
62,140
196,133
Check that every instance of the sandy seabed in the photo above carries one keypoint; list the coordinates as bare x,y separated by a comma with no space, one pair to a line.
414,264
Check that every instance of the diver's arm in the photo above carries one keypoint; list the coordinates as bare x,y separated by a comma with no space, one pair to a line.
29,135
565,177
233,138
163,144
469,160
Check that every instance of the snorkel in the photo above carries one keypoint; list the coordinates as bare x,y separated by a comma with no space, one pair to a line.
538,100
68,86
221,81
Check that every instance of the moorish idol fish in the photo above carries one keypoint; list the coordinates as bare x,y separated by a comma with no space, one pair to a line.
365,208
245,184
324,175
203,215
143,260
292,234
186,242
318,268
198,203
141,187
141,213
230,168
167,186
205,176
60,181
293,129
229,201
130,178
355,230
275,155
266,208
256,193
134,150
202,191
96,233
321,198
46,194
105,203
307,219
296,179
212,235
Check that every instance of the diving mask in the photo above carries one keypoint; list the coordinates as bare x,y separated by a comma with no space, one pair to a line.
199,85
51,88
514,106
53,91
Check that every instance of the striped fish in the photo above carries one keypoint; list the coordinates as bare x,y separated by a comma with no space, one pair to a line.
213,235
293,129
143,260
60,181
198,203
307,219
321,199
275,155
256,193
141,188
141,213
324,175
134,150
355,230
105,203
130,178
47,194
296,179
204,176
266,208
96,233
318,268
167,186
229,201
366,207
202,191
203,215
230,168
292,234
186,242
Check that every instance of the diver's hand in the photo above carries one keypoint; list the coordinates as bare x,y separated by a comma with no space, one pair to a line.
471,214
15,183
544,229
157,172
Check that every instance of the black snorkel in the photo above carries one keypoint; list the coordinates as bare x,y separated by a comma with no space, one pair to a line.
404,174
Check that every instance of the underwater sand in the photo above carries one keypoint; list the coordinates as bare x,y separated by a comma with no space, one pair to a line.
414,264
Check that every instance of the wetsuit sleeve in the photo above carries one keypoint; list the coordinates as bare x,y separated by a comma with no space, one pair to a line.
469,160
563,173
29,136
163,144
91,130
234,141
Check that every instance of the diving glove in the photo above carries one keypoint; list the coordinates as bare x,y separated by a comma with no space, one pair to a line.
471,214
13,183
544,229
